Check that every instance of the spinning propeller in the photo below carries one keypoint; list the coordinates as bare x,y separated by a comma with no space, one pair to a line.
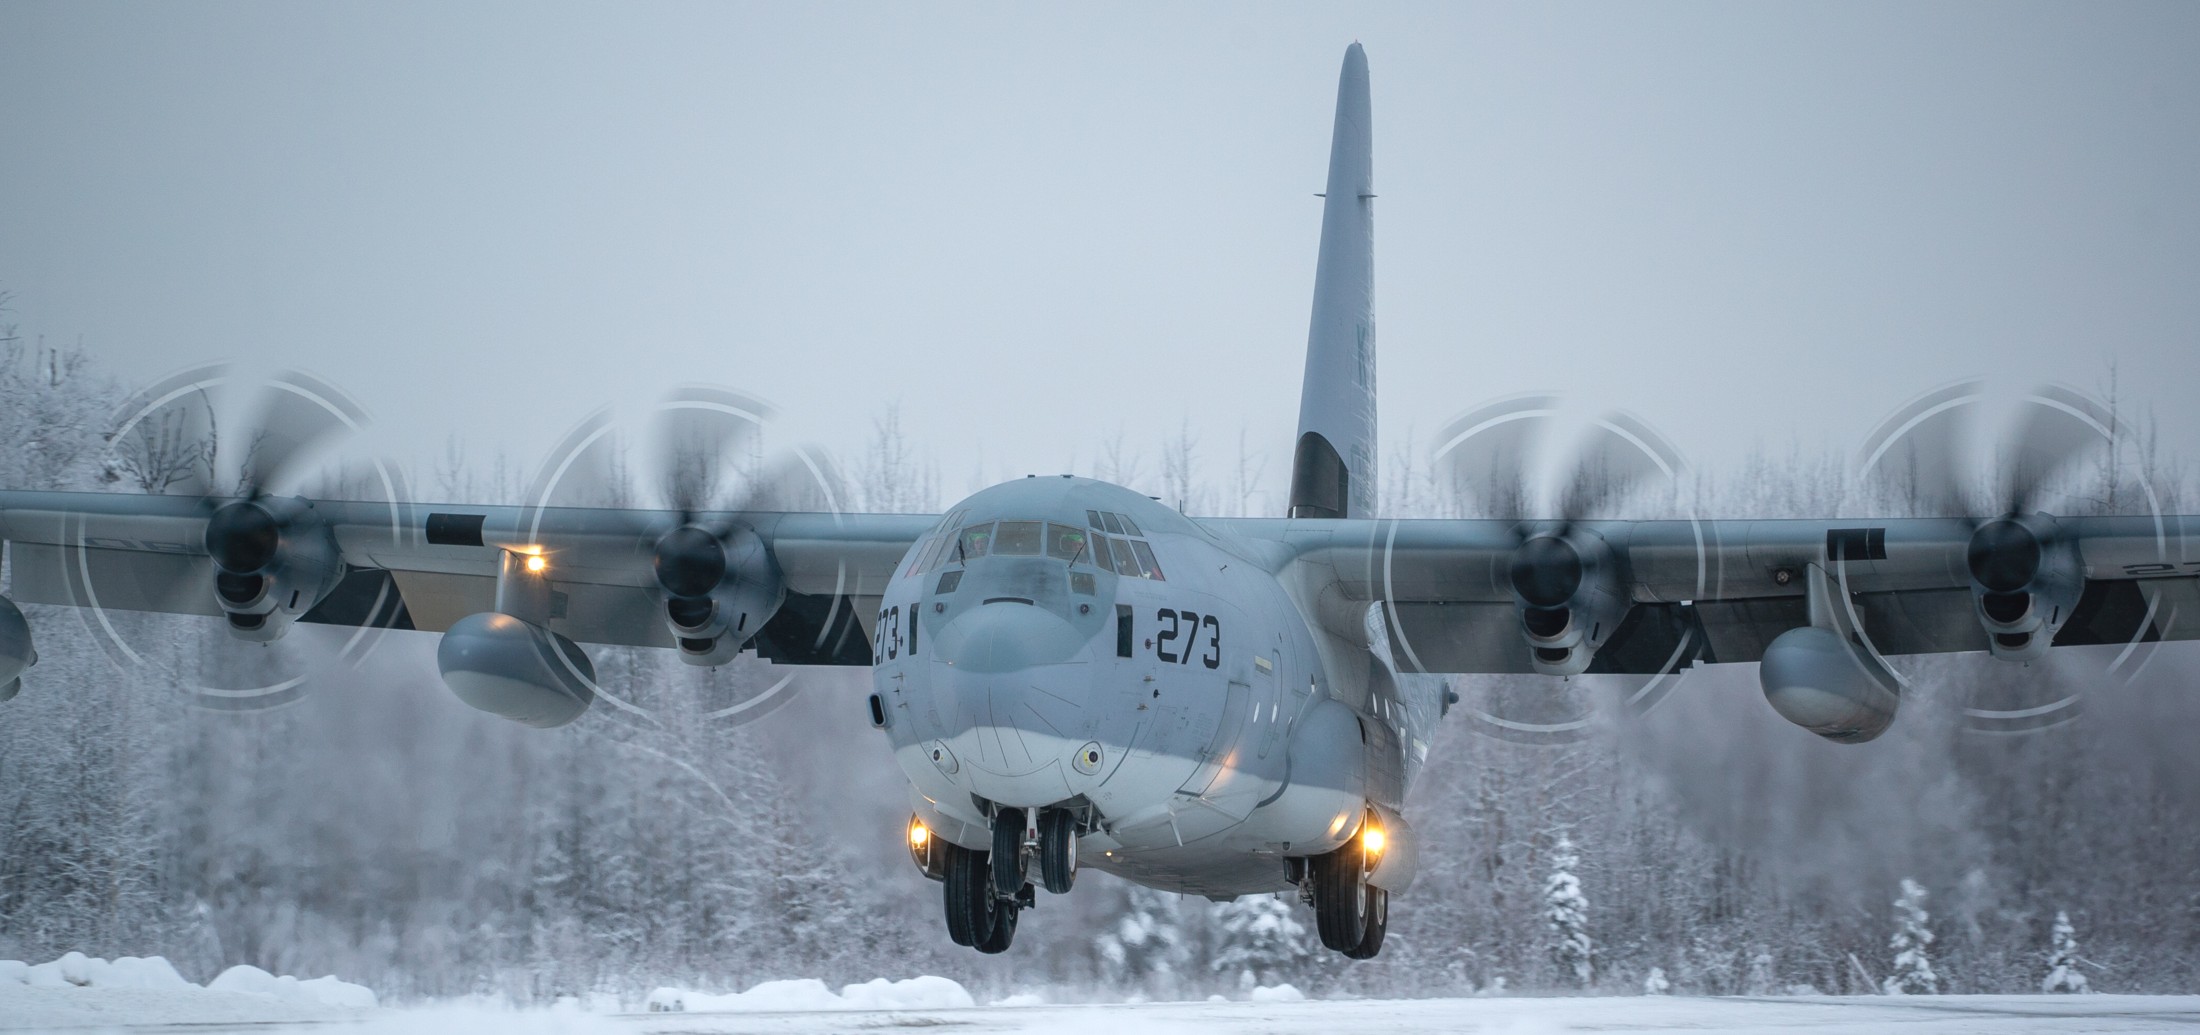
1936,457
241,443
702,453
1519,460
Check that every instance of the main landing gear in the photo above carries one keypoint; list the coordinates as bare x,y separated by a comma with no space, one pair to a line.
1351,914
984,891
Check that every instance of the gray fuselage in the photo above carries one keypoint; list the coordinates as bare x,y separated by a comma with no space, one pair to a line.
1061,641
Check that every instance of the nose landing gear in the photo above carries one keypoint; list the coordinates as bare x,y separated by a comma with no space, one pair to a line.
1057,850
984,891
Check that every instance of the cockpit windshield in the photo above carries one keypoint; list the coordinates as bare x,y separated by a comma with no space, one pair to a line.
1017,539
1067,543
977,540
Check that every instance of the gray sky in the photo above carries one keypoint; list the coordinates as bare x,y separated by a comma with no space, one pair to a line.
1035,225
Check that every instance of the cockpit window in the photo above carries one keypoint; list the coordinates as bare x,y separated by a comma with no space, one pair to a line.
921,561
1145,558
1126,563
1068,543
1017,538
976,540
1129,527
1108,523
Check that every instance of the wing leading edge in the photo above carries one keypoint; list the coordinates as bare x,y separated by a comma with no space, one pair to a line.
421,566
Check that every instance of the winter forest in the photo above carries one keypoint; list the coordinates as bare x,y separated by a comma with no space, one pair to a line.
379,830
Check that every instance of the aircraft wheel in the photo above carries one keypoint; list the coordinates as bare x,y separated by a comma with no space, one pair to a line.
1004,930
1340,897
1378,922
1008,853
971,912
1057,850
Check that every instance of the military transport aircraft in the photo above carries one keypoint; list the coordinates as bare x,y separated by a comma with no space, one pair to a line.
1072,674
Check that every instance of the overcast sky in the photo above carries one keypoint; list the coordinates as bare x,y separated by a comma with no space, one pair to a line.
1035,225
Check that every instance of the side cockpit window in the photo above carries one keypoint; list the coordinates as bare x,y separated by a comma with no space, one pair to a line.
1150,568
1133,558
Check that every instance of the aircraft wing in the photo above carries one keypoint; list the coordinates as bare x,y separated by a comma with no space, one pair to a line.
421,566
1468,596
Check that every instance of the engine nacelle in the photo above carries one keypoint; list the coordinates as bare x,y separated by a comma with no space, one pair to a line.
516,669
2026,578
274,560
1822,681
717,591
15,649
1569,597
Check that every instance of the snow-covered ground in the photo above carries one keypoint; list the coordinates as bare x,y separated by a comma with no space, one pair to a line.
138,1009
78,991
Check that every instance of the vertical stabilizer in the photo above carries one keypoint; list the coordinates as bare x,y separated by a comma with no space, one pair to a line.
1333,465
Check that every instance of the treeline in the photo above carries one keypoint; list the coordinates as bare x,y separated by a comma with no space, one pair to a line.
379,830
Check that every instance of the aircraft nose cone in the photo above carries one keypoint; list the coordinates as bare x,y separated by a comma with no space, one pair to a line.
1007,637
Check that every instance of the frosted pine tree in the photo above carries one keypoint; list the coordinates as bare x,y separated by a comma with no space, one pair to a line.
1262,942
1913,966
1655,983
1147,944
2062,959
1566,909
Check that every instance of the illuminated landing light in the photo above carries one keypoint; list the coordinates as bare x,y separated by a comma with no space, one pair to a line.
537,564
920,845
1372,840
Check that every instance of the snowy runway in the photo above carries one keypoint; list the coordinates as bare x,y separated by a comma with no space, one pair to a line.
1925,1015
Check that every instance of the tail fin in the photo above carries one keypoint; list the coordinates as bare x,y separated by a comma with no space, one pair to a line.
1333,467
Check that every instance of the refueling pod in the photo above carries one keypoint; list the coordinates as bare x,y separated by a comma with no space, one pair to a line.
516,669
1821,676
15,649
1828,684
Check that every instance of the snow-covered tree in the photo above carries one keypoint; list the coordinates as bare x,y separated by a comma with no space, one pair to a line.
1566,910
1759,979
2062,959
1260,940
1655,983
1912,940
1147,943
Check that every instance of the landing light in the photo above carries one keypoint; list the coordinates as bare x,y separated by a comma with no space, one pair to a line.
1371,840
918,835
537,564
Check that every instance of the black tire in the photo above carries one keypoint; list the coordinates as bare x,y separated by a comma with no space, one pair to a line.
1008,853
1340,898
1378,922
1057,850
971,915
1004,930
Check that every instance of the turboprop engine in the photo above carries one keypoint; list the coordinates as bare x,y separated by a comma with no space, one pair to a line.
15,649
2026,578
274,560
516,669
1570,601
718,588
